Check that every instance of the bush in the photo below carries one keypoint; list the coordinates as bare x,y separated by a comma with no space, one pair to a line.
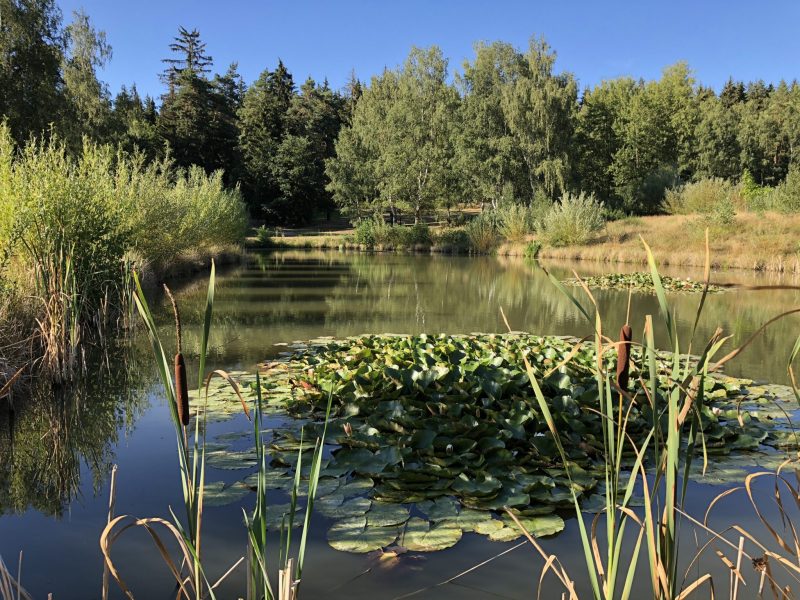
482,233
71,225
516,222
786,196
453,240
532,249
572,220
700,197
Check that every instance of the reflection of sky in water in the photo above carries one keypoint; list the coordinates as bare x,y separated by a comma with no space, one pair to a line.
295,295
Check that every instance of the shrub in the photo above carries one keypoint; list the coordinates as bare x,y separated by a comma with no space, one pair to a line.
700,197
364,233
532,249
264,236
453,240
786,196
572,220
516,221
482,233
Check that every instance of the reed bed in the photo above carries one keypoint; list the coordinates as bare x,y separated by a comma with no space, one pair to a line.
72,227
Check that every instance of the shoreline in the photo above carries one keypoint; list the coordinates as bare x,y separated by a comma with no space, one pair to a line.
768,242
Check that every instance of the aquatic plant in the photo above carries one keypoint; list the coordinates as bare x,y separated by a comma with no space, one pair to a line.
642,281
572,220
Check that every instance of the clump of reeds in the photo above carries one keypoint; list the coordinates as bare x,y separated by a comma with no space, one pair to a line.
668,449
70,224
10,586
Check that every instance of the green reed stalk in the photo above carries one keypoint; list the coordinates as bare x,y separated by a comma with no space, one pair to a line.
258,584
191,463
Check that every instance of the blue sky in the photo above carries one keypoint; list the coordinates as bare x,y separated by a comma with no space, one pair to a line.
595,40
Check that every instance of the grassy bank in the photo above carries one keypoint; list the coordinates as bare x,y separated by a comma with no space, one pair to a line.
765,242
73,227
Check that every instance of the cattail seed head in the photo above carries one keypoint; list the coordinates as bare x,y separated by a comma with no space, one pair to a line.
623,356
181,390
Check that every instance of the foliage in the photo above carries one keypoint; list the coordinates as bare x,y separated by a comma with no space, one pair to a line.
532,249
453,239
642,281
405,428
516,221
572,220
482,233
68,225
700,197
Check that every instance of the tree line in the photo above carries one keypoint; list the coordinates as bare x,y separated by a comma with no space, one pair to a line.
507,128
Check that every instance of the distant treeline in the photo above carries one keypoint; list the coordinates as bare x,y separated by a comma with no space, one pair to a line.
507,128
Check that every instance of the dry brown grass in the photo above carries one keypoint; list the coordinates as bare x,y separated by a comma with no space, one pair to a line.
768,242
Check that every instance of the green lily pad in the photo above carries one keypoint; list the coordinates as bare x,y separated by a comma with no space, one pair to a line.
355,535
420,536
218,494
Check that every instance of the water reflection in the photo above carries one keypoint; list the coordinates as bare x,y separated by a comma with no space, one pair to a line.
49,433
296,294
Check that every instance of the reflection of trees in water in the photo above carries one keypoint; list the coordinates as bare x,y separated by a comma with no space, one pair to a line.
297,294
46,437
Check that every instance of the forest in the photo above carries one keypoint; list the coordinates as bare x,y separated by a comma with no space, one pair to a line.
506,127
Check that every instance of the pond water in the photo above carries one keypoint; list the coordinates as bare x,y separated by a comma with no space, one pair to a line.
57,448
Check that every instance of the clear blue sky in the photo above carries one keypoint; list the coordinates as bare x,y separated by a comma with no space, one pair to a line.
595,40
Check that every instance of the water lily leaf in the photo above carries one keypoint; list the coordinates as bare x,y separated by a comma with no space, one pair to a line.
381,514
488,526
538,526
218,494
356,487
354,535
354,507
420,536
231,460
438,509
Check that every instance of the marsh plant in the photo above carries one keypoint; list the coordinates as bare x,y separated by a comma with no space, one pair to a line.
71,226
189,573
656,461
574,219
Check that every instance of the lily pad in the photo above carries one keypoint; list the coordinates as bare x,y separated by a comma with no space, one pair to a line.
420,536
355,535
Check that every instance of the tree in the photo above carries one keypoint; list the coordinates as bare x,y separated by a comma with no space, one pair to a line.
717,139
262,119
599,136
133,123
540,108
31,51
191,57
88,99
417,160
198,117
488,156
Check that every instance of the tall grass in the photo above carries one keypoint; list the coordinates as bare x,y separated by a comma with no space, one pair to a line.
71,225
672,393
190,575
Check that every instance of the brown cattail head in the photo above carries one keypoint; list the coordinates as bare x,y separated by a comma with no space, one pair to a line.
623,356
181,390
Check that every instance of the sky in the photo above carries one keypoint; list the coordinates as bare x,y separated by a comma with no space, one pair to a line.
594,40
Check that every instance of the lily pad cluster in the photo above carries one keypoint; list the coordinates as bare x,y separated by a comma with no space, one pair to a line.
642,282
432,436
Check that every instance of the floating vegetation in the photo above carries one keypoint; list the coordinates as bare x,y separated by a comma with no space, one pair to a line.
432,436
643,282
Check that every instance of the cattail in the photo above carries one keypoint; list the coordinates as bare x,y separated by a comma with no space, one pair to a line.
623,356
181,390
181,387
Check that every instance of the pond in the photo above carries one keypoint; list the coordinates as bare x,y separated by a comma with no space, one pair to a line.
57,448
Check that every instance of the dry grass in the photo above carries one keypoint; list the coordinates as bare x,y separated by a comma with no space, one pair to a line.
768,242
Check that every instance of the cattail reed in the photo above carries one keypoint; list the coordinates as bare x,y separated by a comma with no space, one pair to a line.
623,356
181,387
